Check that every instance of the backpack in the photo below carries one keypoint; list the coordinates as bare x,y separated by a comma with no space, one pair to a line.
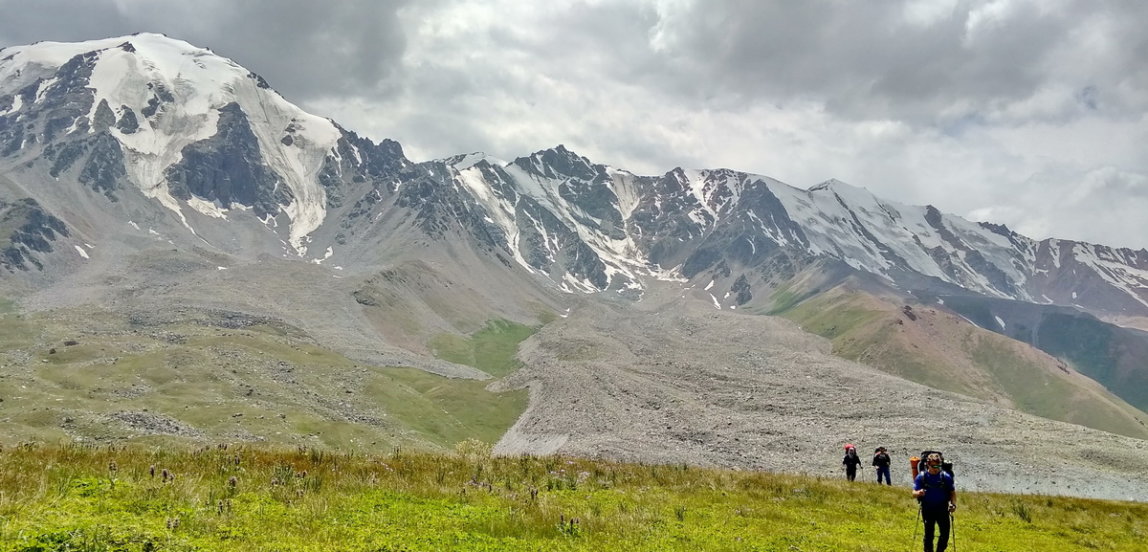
918,463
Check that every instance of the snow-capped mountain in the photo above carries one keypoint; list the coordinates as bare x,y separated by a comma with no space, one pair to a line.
189,129
110,133
607,228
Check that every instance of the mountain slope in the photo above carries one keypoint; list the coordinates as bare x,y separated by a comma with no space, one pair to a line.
99,375
931,345
1111,355
707,387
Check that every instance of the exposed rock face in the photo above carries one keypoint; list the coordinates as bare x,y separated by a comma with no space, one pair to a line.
104,170
51,106
229,168
127,124
32,230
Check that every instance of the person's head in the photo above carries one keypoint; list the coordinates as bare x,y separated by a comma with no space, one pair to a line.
933,463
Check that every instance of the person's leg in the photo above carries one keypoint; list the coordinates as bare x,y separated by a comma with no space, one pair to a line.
851,473
930,523
883,471
943,536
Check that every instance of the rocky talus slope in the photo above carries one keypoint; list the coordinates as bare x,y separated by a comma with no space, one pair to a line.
701,386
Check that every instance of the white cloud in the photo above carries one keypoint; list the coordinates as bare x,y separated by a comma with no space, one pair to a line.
924,13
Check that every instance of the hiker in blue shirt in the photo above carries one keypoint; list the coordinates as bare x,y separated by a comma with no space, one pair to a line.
935,491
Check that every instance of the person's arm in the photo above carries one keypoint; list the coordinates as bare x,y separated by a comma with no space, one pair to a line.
952,498
918,491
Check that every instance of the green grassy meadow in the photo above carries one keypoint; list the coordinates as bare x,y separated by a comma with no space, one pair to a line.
94,376
218,498
490,349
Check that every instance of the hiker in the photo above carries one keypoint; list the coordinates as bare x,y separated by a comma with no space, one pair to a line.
881,462
937,495
851,462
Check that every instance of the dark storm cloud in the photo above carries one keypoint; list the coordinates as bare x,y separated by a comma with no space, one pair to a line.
303,48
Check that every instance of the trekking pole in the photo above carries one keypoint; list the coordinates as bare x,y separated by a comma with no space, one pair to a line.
953,529
917,525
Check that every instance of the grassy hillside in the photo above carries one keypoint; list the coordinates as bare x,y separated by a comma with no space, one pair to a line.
222,499
490,349
943,351
1109,354
97,376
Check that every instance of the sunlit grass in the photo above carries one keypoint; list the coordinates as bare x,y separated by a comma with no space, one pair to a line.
221,499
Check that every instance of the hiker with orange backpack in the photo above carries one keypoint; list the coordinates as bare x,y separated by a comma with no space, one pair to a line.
935,491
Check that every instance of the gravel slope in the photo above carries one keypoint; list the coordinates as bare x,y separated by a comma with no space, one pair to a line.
689,383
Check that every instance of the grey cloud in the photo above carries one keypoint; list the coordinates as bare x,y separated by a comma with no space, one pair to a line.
863,60
591,42
303,48
1104,206
307,48
27,21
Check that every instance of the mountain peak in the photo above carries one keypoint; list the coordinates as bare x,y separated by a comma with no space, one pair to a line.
854,195
179,112
560,151
54,54
558,162
832,185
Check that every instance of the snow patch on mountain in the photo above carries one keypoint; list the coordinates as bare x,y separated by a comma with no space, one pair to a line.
1111,269
625,188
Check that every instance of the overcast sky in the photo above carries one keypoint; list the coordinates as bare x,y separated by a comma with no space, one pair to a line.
1032,113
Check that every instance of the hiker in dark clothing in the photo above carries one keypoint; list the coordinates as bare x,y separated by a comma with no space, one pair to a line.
881,462
851,462
935,491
